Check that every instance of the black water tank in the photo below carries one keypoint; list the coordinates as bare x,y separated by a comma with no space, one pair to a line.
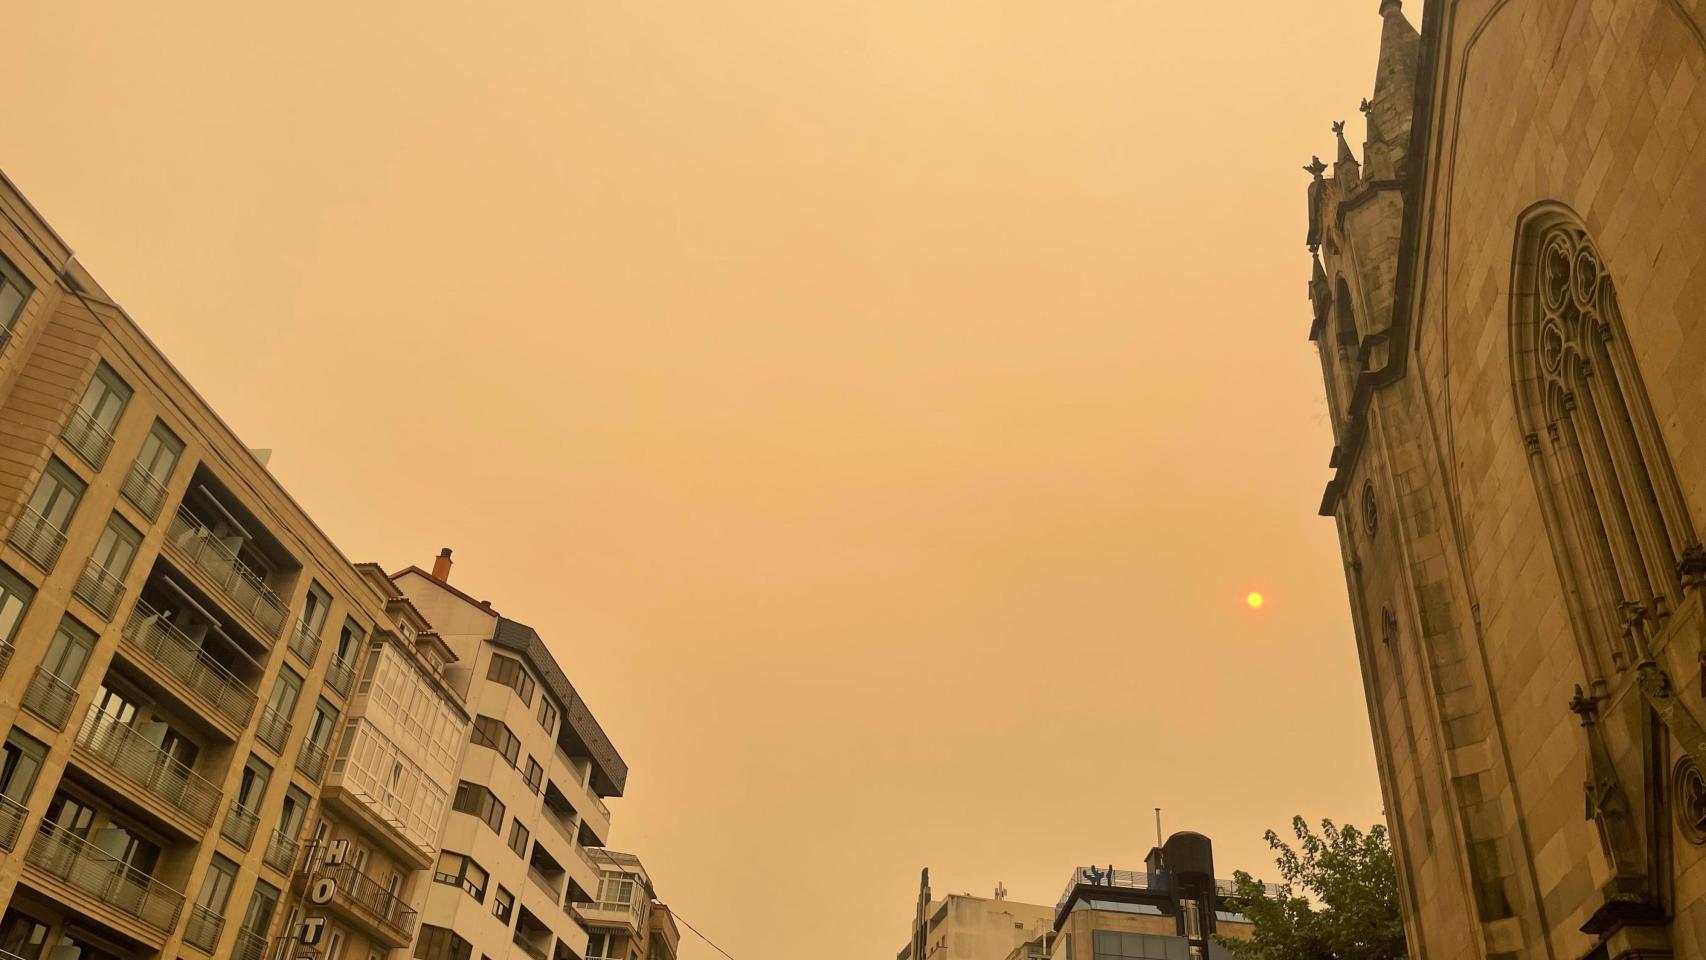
1189,853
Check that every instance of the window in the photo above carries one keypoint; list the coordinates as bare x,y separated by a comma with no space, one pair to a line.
294,810
535,774
615,888
493,735
68,652
160,453
518,837
14,293
20,760
116,548
350,638
285,690
475,799
321,725
335,946
598,946
315,606
510,672
216,886
261,907
1112,945
91,428
251,791
460,870
548,714
438,943
503,904
22,935
15,595
55,498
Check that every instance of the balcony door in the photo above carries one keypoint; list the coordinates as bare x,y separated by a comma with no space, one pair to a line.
160,452
56,495
104,401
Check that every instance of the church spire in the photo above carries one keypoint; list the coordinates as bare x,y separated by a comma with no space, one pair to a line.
1394,92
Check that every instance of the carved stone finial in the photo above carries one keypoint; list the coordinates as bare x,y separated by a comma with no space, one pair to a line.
1338,128
1532,443
1365,106
1691,566
1315,167
1584,706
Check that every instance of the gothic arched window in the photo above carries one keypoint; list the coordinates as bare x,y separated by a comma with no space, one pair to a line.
1613,508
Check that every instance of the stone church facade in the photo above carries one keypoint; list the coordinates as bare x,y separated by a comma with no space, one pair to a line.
1509,300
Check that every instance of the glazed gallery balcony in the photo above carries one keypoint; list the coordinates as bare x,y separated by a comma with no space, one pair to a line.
101,884
237,585
146,773
163,649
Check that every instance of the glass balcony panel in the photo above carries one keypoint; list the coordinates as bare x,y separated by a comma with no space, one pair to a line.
147,632
80,864
37,539
145,765
49,698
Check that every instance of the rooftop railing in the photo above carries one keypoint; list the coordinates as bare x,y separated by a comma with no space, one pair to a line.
85,867
97,587
243,588
37,538
140,761
144,491
1138,880
168,648
12,814
84,434
49,698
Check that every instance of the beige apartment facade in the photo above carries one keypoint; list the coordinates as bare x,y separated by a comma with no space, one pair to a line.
625,920
184,665
517,870
1509,292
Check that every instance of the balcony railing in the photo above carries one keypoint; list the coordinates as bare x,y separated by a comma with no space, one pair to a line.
375,902
144,490
249,946
240,825
49,698
84,434
203,927
98,588
280,852
91,870
311,760
242,587
167,647
304,642
273,729
339,674
5,655
611,911
536,952
37,538
12,814
145,765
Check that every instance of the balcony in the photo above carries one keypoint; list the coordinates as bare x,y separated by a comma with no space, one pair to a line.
144,491
37,538
5,655
280,852
114,885
203,928
240,586
91,440
49,698
98,588
531,949
304,642
273,729
339,675
375,907
249,946
311,760
165,648
240,825
12,814
612,913
159,778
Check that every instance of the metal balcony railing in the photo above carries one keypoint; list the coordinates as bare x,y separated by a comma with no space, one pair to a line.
5,655
311,760
144,491
339,675
537,953
12,814
49,698
86,436
280,852
37,538
166,647
304,642
98,588
375,902
203,928
242,587
273,729
146,766
85,867
249,946
240,825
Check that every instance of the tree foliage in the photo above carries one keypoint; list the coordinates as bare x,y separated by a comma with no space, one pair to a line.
1338,899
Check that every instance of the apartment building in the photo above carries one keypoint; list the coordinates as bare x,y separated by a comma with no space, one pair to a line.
960,926
187,666
517,866
626,921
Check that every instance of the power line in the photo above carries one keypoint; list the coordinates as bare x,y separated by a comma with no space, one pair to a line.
701,936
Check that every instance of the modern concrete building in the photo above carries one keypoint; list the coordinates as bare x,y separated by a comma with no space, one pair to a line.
187,664
626,921
1508,294
960,926
518,866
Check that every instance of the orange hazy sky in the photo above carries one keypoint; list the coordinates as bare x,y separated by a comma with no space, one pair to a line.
882,406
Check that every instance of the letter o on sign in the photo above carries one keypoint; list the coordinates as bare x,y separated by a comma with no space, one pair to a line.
322,890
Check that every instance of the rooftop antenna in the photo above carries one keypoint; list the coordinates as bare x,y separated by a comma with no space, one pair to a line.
1158,826
1000,890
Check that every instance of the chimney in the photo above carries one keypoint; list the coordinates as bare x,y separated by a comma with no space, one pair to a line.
441,566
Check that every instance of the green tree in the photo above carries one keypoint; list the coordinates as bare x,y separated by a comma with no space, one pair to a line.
1338,901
